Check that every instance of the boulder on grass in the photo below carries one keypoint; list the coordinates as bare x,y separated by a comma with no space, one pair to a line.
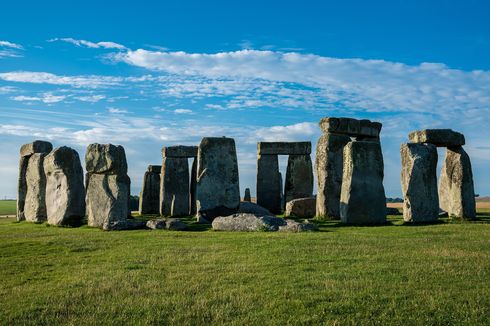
252,208
294,226
247,222
301,207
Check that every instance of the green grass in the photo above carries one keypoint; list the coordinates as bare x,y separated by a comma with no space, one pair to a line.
396,274
7,207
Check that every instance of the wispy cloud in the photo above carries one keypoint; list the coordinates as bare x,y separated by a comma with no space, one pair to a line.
8,44
116,110
45,98
88,81
9,49
183,111
89,44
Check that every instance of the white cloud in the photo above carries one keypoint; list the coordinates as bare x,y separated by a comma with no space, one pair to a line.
8,44
47,98
88,81
91,98
182,111
89,44
116,110
295,132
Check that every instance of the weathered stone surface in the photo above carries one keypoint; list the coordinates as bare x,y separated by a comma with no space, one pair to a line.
351,127
37,146
269,183
65,191
247,222
419,182
179,151
301,207
106,158
392,211
175,225
157,224
149,201
247,196
438,137
299,178
251,208
174,187
329,165
217,187
362,199
293,226
35,199
456,189
193,206
284,148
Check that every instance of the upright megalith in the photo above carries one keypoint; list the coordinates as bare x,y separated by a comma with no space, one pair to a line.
362,199
299,178
217,188
65,192
269,184
247,196
193,209
419,182
149,202
456,190
107,186
329,165
31,205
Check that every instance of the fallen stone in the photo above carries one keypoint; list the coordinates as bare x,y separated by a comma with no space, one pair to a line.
362,199
251,208
65,191
419,182
35,198
247,222
247,196
294,226
284,148
174,187
157,224
301,207
351,127
456,189
180,151
269,183
149,201
438,137
299,178
175,225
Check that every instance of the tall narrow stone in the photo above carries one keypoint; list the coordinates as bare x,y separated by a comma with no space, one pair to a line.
299,178
149,202
26,151
35,198
193,209
218,190
456,189
362,199
174,187
107,186
65,192
329,165
419,182
269,186
247,196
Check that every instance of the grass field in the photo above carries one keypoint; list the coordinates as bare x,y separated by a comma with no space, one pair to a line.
396,274
7,207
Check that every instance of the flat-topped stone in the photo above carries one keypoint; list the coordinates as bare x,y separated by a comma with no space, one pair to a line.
284,148
350,126
37,146
438,137
179,151
154,168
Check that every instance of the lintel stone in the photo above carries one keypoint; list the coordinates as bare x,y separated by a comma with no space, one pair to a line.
351,127
438,137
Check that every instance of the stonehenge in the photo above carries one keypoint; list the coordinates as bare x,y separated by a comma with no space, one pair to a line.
455,193
149,201
299,173
247,196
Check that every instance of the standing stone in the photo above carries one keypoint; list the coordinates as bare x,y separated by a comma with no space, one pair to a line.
362,199
107,186
174,187
35,199
419,182
269,183
456,190
149,202
329,165
65,192
247,196
26,151
218,190
299,178
193,209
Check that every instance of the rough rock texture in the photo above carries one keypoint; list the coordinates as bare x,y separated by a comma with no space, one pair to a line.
65,191
26,151
35,198
363,200
247,222
247,196
217,190
251,208
174,187
149,202
107,187
329,165
269,183
284,148
301,207
157,224
179,151
175,225
456,190
419,182
438,137
299,178
293,226
193,206
351,127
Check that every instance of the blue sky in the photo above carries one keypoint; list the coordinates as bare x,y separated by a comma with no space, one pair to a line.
149,74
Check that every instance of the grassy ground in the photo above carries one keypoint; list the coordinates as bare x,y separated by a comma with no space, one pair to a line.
7,207
396,274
